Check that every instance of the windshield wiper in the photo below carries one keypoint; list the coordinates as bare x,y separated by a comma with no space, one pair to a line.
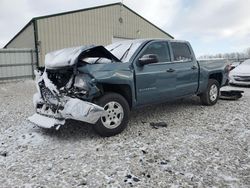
115,47
126,52
110,51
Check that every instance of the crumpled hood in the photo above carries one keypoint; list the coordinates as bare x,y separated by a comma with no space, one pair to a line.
64,57
69,56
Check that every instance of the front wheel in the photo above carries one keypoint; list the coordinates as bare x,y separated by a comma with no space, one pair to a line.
116,116
211,95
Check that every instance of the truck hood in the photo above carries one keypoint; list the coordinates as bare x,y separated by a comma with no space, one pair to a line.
69,56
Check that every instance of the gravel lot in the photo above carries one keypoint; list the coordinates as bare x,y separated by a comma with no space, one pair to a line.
200,147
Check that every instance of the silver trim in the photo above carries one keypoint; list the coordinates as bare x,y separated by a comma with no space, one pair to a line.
113,116
213,93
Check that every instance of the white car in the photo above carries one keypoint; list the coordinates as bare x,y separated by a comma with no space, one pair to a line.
240,75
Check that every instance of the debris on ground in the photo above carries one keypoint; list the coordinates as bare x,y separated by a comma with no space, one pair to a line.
3,153
83,182
157,125
231,94
130,179
164,162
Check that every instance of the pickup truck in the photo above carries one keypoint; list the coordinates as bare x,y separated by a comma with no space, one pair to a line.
101,85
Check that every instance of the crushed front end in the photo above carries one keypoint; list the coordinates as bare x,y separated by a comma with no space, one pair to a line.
64,94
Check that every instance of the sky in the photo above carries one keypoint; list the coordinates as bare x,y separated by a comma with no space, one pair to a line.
212,27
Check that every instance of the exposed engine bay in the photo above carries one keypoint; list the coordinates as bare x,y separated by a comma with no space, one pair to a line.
68,82
58,101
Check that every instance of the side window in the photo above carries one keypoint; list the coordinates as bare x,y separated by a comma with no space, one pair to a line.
160,49
181,52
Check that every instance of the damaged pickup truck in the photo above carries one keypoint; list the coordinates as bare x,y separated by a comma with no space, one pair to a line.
100,85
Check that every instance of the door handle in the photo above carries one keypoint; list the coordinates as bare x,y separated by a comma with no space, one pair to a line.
194,67
170,70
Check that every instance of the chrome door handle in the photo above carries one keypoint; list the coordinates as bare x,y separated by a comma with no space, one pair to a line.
170,70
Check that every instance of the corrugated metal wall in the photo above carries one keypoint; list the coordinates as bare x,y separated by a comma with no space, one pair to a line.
16,63
87,27
25,39
133,26
94,26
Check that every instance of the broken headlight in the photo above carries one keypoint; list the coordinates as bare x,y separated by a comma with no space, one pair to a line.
81,82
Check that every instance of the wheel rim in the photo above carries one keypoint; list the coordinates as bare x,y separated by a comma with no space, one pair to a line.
113,116
213,93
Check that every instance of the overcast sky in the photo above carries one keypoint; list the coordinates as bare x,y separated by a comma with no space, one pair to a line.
214,26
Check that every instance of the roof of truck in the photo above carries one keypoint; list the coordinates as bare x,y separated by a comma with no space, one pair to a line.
156,39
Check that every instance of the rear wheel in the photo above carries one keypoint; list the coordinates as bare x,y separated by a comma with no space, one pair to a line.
211,95
116,114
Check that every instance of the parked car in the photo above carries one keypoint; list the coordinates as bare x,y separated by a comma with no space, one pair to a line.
101,85
240,75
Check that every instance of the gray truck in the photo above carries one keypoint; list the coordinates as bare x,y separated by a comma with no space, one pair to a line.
101,85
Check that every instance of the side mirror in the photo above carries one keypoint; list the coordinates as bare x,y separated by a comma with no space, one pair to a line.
148,59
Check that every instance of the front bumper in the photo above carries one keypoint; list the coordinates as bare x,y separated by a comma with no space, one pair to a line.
45,122
73,109
239,81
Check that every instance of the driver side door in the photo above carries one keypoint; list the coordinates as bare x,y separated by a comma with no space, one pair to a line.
155,82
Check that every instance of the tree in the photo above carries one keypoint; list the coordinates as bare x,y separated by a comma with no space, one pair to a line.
237,56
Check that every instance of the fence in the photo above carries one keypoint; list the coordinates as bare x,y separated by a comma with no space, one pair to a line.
17,63
238,59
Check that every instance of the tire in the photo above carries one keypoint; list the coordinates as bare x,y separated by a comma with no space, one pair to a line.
116,119
211,95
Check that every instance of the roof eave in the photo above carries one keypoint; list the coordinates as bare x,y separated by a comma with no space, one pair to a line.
103,6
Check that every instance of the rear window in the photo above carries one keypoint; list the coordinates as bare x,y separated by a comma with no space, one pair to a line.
181,52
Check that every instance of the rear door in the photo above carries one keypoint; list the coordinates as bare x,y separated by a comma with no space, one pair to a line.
186,68
155,82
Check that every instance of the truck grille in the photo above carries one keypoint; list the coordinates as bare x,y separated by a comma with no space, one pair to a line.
242,78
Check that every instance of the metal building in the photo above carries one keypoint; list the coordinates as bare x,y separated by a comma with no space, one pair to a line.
97,25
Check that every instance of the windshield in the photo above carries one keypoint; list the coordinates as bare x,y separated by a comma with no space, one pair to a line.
246,62
124,50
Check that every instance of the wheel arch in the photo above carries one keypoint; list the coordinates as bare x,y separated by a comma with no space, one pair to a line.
216,76
122,89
